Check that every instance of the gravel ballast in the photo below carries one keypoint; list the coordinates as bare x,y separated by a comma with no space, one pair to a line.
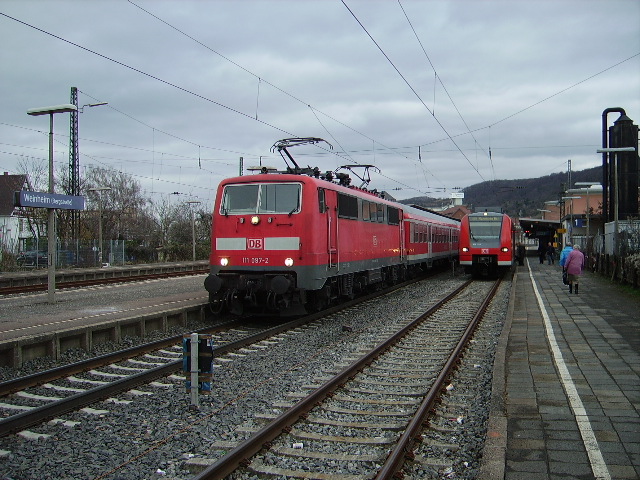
154,435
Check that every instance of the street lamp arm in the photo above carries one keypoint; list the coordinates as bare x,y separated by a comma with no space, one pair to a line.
67,107
81,109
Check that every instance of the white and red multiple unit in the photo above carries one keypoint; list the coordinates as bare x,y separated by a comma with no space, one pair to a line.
283,240
486,243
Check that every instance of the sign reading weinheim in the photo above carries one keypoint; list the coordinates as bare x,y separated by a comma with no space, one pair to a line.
25,198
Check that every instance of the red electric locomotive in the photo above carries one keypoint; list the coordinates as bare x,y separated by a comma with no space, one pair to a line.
486,243
285,240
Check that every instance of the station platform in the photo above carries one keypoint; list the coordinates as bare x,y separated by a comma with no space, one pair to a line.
566,389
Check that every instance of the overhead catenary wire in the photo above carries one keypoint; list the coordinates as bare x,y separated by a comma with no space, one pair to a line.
314,110
412,89
377,151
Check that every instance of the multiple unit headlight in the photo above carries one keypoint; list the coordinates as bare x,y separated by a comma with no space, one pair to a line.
503,249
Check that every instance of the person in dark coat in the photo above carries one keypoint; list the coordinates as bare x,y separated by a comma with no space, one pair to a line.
551,254
520,253
542,251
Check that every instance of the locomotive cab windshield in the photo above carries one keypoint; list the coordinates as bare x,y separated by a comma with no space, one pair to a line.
266,198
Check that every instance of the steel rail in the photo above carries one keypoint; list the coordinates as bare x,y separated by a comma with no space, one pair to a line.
38,415
17,384
404,447
239,455
38,287
11,386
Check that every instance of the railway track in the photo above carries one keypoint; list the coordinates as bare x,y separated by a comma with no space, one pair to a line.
365,420
41,287
141,429
31,400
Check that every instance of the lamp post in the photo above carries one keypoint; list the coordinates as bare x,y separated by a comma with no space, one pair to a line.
100,190
51,222
193,226
615,183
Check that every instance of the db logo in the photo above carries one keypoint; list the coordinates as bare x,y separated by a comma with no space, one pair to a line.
484,250
255,243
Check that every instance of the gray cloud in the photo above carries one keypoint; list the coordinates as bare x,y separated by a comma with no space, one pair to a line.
495,58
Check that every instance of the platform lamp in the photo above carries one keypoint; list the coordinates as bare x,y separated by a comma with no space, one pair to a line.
193,226
615,183
588,185
51,222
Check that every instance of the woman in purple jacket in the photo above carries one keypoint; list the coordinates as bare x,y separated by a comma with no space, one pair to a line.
574,265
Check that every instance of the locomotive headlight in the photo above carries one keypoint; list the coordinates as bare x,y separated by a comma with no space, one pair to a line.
505,249
224,261
465,249
255,220
288,262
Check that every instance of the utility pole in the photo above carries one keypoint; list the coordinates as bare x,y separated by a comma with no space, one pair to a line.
74,165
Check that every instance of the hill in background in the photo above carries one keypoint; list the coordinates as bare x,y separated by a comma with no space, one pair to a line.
520,197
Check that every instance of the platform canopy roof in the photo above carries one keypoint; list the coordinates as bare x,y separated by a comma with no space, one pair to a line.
537,227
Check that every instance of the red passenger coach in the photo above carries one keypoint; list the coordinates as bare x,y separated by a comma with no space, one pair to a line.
285,240
486,243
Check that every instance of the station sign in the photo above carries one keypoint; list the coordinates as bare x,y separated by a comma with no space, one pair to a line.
24,198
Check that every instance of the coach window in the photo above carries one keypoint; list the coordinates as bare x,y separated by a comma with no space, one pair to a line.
347,206
380,212
365,211
373,215
322,202
394,216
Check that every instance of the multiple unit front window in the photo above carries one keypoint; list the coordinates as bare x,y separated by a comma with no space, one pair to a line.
485,230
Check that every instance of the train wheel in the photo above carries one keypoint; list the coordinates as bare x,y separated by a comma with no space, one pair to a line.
216,303
216,306
319,299
234,303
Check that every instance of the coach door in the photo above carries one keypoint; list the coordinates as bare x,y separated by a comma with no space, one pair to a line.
330,200
396,217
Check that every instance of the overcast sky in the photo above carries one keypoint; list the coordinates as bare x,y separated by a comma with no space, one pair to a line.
192,86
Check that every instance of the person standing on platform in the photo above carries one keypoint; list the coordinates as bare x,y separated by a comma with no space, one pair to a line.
520,253
551,253
564,254
574,266
542,251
